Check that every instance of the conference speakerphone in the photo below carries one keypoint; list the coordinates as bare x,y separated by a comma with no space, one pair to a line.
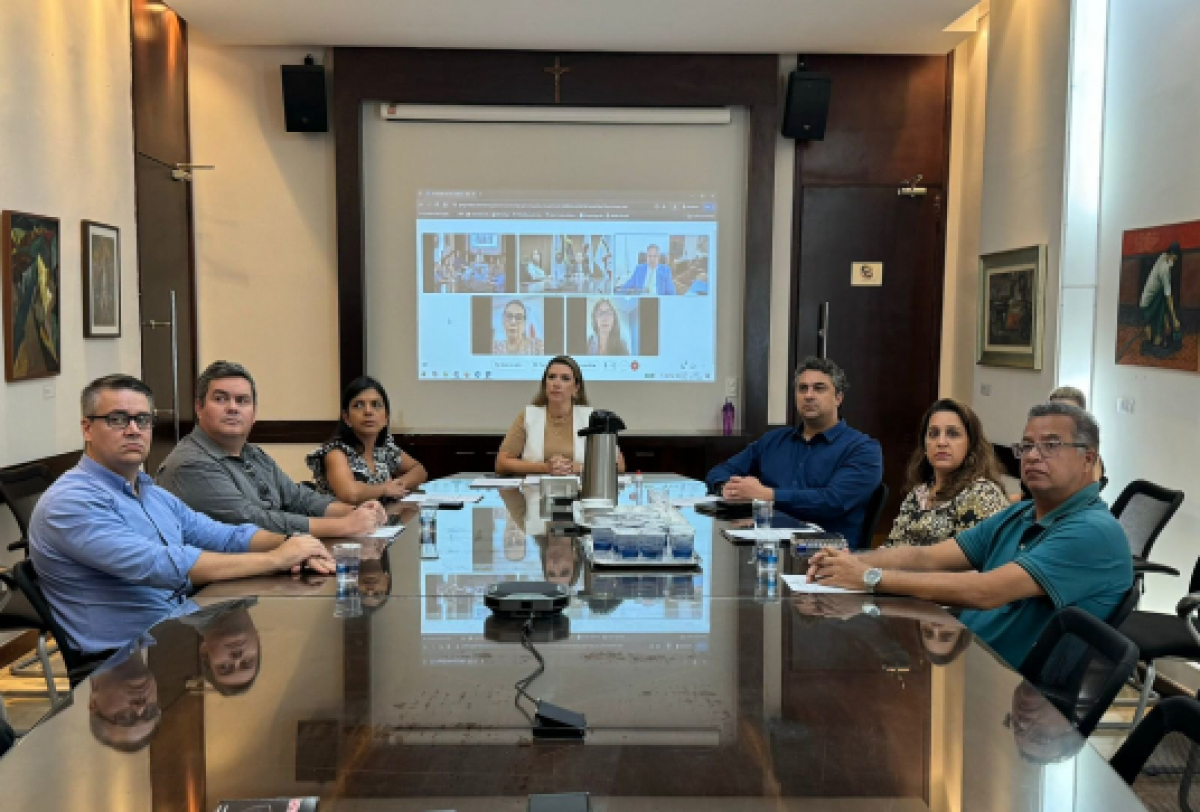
526,599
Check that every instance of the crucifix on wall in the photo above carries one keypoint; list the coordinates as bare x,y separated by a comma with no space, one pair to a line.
558,70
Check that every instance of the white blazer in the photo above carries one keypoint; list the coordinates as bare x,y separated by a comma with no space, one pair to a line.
535,432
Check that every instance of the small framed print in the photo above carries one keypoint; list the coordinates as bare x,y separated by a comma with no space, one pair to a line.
1011,304
101,280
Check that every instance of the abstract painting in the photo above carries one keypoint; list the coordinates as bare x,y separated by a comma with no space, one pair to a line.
32,339
1011,305
1158,297
101,280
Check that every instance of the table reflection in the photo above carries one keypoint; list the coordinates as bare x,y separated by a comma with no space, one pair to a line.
693,691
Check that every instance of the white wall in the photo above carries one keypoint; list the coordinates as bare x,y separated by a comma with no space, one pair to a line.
66,116
968,118
1023,171
1151,175
266,251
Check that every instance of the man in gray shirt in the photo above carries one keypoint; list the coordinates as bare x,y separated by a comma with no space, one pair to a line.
215,471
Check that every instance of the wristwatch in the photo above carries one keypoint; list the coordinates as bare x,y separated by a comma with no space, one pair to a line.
872,577
871,610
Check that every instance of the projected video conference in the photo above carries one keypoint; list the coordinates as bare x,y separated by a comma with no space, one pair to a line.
626,283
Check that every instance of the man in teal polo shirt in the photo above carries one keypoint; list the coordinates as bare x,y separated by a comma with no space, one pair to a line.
1014,570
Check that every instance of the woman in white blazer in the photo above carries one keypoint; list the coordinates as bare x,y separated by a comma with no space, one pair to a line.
544,437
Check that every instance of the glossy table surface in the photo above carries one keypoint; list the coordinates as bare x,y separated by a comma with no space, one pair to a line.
702,691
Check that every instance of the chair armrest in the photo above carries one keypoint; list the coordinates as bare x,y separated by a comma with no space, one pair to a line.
1188,604
1143,566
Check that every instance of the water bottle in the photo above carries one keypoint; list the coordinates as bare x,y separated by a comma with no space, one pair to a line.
727,414
638,495
768,556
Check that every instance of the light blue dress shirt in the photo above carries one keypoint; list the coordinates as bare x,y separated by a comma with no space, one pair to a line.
113,562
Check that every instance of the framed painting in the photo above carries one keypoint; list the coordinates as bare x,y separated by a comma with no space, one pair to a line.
101,280
1012,299
1158,297
32,339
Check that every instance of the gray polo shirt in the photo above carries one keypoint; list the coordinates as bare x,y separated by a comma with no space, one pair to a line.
246,489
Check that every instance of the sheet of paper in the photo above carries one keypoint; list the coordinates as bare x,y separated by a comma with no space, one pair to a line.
436,498
495,482
689,501
799,583
779,534
388,531
533,480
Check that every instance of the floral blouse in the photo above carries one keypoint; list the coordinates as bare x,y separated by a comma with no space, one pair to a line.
387,462
922,523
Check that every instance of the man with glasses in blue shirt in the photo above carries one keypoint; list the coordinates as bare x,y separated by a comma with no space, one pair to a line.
822,472
117,554
1014,570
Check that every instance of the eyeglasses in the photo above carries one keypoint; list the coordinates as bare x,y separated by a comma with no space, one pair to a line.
227,668
513,316
1048,449
121,420
818,388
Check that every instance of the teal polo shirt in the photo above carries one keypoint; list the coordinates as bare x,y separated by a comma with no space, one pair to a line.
1077,553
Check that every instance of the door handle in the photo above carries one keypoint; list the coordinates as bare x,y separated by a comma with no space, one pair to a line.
174,325
823,331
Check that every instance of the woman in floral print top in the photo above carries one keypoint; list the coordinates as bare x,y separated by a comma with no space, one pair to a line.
953,478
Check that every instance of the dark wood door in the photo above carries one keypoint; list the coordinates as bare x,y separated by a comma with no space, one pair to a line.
887,338
164,264
164,216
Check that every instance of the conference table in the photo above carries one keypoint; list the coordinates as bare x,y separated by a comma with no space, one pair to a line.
703,689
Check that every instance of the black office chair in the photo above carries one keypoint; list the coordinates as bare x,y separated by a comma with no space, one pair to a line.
79,665
1080,664
1128,603
1179,715
19,614
1159,635
871,517
1143,509
20,489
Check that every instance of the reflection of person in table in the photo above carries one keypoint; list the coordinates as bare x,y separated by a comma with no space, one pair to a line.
562,559
123,706
517,332
1042,733
1161,326
606,331
230,648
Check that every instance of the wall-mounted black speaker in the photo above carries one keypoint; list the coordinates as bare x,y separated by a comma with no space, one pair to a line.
304,98
807,105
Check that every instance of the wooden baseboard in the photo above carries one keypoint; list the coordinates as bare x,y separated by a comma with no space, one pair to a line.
17,647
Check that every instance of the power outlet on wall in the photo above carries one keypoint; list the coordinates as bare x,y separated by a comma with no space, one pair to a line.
985,389
731,387
1125,405
47,391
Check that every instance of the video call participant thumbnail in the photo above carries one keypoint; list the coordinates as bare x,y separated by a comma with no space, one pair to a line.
651,276
613,326
526,325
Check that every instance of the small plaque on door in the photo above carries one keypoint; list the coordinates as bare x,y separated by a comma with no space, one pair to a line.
866,273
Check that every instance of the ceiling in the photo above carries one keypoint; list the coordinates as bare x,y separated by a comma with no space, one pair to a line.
748,26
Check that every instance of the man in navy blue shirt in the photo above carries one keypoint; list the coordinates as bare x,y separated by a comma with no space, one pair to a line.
116,553
822,472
